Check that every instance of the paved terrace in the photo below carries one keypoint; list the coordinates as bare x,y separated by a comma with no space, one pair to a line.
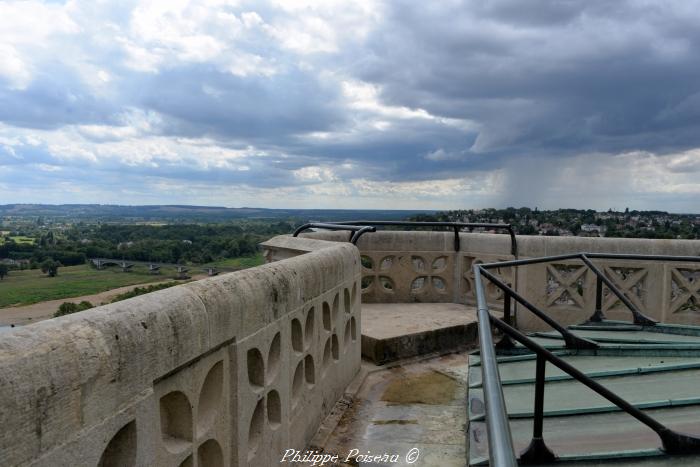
236,369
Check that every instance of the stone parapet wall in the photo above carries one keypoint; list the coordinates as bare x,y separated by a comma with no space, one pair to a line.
406,267
666,291
228,371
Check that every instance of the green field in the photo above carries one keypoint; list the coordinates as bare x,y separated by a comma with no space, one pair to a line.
242,263
31,286
19,240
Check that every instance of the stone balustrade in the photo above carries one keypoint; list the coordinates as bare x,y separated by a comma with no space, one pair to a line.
406,267
228,371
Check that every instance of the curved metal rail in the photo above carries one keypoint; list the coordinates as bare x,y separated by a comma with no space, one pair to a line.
355,231
456,226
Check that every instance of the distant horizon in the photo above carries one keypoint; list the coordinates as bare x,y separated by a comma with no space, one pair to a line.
631,209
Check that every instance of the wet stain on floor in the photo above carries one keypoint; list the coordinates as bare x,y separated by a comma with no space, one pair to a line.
424,388
416,406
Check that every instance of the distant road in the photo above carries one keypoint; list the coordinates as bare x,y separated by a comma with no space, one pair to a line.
113,261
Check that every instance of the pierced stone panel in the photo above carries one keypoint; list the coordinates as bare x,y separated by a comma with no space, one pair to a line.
393,277
209,454
326,354
309,370
257,423
121,450
439,284
347,301
418,283
565,285
297,383
685,291
439,264
630,281
297,336
346,339
274,409
273,357
335,348
493,293
387,283
366,262
210,398
426,277
326,316
386,263
418,264
378,282
309,327
256,369
176,421
336,307
353,329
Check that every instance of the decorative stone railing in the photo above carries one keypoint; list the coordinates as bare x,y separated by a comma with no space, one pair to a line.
228,371
405,267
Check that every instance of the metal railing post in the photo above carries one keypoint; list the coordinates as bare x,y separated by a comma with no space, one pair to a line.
506,342
506,309
639,317
538,452
598,315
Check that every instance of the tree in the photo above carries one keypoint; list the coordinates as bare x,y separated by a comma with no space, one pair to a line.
3,271
50,267
67,308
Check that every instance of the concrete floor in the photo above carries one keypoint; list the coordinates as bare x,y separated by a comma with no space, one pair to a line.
411,406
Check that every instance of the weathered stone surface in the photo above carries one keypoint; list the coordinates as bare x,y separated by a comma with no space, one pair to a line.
408,267
402,330
165,378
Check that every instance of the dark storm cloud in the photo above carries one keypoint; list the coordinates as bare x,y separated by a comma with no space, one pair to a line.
204,100
546,77
55,97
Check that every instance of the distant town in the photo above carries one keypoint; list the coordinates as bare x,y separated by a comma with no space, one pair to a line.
30,235
581,223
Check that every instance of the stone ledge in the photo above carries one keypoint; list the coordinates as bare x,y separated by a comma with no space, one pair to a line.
393,331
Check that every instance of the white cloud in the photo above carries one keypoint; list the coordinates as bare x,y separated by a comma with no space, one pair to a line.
315,174
364,103
26,28
13,69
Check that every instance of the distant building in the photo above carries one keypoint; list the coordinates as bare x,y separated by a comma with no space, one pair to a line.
590,228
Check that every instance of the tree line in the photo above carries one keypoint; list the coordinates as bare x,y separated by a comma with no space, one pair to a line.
172,243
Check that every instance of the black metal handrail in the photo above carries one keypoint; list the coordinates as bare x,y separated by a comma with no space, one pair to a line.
456,226
501,450
355,231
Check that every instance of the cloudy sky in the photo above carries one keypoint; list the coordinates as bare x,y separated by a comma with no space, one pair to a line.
352,104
